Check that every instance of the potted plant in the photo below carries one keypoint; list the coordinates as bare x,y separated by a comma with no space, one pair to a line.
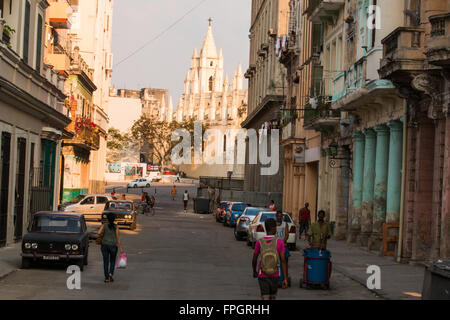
7,33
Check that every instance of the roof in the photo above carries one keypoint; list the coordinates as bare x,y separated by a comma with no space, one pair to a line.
209,46
58,213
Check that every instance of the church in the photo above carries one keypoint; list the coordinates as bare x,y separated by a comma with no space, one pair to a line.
210,98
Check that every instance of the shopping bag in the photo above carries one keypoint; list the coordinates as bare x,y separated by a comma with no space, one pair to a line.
122,263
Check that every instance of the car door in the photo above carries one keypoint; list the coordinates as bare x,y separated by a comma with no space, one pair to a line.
87,206
99,206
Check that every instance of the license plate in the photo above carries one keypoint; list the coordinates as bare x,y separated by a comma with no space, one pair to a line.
50,258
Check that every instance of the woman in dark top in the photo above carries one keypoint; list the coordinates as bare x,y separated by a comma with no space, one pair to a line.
110,244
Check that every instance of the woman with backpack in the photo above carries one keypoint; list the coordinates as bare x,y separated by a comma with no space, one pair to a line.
272,251
110,243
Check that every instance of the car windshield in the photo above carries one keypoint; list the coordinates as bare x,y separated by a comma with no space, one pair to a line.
239,206
118,206
77,198
56,224
266,216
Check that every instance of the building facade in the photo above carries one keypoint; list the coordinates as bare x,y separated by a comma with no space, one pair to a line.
32,119
267,85
210,98
372,94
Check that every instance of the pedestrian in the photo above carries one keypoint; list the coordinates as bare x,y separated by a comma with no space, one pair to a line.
305,220
185,200
272,251
148,201
174,192
272,205
283,234
110,243
152,205
319,232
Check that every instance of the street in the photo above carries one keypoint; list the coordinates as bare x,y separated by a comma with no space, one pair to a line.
172,255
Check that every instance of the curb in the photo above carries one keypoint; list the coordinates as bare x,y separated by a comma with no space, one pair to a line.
6,274
379,293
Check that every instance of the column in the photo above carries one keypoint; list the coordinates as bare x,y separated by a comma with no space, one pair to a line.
358,177
380,186
394,184
368,186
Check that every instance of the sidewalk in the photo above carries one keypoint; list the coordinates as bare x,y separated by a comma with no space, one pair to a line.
398,281
10,259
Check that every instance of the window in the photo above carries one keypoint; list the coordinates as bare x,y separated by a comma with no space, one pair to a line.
1,8
26,31
101,200
88,200
39,43
211,83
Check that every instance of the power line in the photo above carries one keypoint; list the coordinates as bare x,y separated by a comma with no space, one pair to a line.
161,33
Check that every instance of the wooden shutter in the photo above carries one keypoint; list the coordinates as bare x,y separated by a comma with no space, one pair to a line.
26,32
39,44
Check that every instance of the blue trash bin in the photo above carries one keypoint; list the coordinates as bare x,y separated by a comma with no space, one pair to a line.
317,266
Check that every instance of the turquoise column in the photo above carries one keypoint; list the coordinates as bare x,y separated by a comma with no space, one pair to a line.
368,186
358,177
380,186
394,184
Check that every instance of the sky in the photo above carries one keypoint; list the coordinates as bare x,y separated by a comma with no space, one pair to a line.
163,63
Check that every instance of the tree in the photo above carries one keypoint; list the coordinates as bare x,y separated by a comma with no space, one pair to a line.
117,144
156,136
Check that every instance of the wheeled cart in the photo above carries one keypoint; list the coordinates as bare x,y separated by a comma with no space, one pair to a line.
316,269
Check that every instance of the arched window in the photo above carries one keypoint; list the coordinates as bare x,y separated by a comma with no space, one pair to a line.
211,83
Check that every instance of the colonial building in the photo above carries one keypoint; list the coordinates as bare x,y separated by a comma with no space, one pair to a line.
416,59
32,119
267,86
212,98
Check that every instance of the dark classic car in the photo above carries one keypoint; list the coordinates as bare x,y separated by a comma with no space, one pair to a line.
56,237
124,211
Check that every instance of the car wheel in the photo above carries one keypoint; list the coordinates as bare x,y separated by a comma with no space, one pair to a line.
135,186
133,225
147,185
236,235
80,264
85,259
26,263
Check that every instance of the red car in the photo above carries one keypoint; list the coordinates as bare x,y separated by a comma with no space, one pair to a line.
220,212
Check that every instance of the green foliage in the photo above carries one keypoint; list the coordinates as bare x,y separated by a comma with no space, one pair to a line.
157,135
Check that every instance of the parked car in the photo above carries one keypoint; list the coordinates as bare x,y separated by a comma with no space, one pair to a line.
233,212
257,229
75,200
240,230
91,206
140,183
220,211
56,237
124,211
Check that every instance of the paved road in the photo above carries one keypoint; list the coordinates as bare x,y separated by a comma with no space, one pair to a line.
172,255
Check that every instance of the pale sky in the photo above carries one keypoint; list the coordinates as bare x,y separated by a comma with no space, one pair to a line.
164,62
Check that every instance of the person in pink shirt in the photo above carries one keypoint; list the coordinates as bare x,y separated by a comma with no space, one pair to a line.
268,283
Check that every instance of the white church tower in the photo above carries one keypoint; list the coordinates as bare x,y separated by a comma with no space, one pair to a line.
207,95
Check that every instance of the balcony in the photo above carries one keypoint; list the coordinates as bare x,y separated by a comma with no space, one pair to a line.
86,134
438,44
321,119
325,10
403,53
59,61
59,14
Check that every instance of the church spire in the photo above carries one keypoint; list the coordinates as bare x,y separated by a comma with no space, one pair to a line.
209,49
